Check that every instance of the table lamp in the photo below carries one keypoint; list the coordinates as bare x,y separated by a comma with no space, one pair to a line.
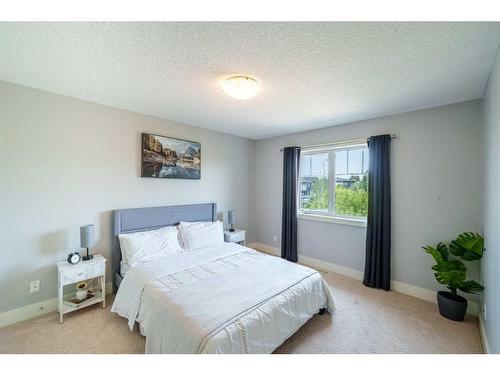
230,220
87,239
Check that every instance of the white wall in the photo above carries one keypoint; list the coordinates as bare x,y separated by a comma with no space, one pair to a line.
491,262
66,162
436,184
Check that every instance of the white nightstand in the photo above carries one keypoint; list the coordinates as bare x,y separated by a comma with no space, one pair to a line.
74,273
237,236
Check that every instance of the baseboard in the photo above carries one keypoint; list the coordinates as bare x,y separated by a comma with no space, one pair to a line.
397,286
265,248
484,336
27,312
331,267
34,310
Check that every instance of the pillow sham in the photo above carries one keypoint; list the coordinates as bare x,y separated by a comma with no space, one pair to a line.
147,246
201,233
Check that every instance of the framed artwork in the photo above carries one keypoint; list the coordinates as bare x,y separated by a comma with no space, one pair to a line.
166,157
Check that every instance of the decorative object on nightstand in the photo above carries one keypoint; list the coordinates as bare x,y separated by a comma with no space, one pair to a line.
87,239
74,258
75,273
230,220
81,291
238,236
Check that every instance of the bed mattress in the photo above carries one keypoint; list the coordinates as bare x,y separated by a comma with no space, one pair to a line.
220,299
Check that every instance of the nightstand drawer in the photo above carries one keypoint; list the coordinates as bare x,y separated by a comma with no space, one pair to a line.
82,273
236,236
95,271
239,236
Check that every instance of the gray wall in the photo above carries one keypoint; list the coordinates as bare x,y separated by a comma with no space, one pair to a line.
66,162
491,261
436,177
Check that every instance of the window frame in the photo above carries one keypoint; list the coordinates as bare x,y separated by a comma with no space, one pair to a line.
330,215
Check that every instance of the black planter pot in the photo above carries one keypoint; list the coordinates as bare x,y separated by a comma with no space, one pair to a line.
451,307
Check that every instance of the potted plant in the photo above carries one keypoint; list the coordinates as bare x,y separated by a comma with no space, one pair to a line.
451,271
81,290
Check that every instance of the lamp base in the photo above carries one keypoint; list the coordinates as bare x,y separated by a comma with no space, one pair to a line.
87,257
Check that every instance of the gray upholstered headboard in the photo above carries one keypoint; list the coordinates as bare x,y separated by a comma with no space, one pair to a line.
140,219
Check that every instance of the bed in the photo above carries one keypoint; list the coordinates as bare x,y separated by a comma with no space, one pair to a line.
222,298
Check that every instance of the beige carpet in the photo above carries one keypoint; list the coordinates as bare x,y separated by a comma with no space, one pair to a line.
365,321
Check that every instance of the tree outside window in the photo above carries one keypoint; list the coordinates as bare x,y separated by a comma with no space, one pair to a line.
335,182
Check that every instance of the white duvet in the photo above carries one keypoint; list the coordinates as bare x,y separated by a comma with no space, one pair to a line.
220,299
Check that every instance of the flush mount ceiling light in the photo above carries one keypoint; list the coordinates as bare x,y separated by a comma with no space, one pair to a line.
240,87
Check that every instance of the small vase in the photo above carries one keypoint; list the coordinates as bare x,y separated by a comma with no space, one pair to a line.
81,294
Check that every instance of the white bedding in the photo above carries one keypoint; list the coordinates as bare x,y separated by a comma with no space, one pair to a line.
220,299
199,234
124,267
150,245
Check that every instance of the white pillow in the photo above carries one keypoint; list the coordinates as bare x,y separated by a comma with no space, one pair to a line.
147,246
201,233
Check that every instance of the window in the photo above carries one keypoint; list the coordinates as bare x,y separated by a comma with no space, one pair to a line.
334,181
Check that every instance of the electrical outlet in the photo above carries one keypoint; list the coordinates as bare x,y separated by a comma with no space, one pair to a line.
275,237
35,286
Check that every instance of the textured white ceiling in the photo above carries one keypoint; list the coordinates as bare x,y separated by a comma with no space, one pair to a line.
313,74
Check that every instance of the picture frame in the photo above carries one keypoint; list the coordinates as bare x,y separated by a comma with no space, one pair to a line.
168,157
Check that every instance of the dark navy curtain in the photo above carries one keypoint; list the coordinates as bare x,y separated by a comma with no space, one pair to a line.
378,231
291,162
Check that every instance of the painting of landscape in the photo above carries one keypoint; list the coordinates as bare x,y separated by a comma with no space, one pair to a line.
165,157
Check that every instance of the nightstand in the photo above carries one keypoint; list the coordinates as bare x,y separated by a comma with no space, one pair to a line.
237,236
74,273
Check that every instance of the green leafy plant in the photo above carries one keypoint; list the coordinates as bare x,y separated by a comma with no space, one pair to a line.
352,202
449,268
319,195
348,201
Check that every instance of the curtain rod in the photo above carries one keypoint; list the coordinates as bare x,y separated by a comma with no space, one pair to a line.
340,142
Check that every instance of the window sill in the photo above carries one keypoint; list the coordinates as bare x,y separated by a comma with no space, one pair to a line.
333,219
